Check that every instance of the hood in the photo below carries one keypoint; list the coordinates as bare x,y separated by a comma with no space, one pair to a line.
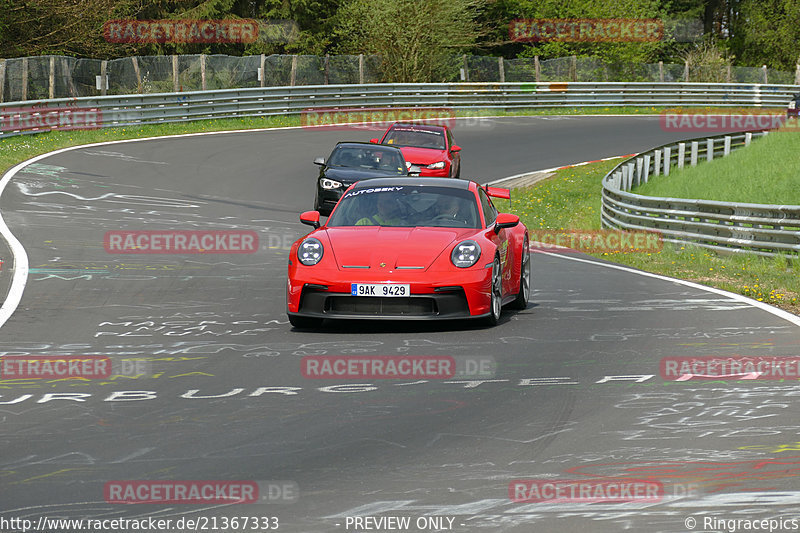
397,247
423,156
351,175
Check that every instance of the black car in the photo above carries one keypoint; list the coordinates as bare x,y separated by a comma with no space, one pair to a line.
350,162
794,106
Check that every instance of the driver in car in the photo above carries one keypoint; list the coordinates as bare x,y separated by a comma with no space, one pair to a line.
388,214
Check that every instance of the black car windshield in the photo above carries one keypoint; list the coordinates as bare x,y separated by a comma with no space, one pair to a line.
407,206
367,157
416,137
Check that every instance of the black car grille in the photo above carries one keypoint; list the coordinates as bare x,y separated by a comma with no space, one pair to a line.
369,305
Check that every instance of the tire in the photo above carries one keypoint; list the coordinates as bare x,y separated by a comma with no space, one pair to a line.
496,298
521,301
458,173
305,322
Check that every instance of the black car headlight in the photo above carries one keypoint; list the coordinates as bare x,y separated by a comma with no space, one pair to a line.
310,251
330,184
465,254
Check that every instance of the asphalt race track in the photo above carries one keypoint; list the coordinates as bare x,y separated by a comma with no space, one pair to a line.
576,393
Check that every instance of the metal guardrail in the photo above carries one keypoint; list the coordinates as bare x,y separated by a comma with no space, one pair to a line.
762,229
19,117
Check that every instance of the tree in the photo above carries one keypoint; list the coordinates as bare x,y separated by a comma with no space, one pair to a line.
768,33
417,40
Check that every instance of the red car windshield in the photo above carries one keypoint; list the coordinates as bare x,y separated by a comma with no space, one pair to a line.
416,137
407,206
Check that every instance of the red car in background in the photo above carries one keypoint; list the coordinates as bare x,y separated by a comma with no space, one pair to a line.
410,248
430,147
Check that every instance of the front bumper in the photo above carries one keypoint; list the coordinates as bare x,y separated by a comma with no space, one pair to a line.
469,297
324,304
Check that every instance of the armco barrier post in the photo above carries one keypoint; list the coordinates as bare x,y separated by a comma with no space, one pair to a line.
695,146
657,163
710,150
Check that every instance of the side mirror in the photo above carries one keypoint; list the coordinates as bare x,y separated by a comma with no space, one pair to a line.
414,170
375,141
311,218
319,161
455,148
505,220
497,192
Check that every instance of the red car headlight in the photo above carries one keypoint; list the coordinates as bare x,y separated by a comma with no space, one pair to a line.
465,254
310,251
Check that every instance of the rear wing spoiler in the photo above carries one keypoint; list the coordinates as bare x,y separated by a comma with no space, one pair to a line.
497,192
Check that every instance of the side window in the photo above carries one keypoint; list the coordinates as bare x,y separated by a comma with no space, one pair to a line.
489,212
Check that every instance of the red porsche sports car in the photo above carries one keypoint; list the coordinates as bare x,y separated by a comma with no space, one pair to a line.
430,147
410,248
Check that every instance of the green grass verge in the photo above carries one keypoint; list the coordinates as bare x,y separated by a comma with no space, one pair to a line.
571,200
766,172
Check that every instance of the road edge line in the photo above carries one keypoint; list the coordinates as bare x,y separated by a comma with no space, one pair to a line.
780,313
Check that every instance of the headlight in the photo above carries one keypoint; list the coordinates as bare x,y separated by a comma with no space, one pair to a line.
330,184
438,165
465,254
310,251
793,104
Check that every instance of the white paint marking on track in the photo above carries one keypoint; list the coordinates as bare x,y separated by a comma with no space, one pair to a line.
794,319
20,277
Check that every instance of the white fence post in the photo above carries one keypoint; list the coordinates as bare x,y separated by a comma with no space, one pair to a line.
657,163
681,154
52,79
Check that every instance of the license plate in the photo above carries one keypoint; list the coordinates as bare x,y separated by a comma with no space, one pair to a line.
379,289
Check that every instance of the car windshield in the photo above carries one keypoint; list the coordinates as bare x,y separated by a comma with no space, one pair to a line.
407,206
415,137
376,158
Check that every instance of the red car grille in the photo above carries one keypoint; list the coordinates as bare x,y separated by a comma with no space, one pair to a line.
367,305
